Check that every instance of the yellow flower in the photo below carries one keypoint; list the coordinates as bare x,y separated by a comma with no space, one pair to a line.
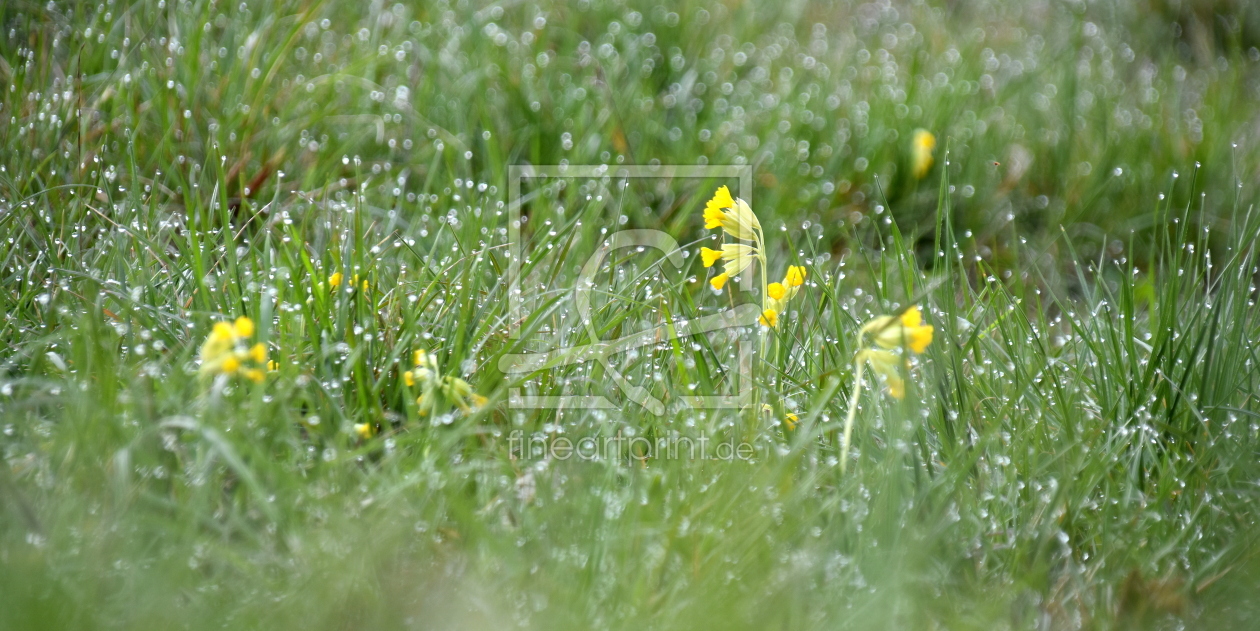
217,346
721,199
897,331
769,318
423,358
710,256
713,217
738,257
791,420
922,146
437,389
363,430
244,327
225,351
457,391
793,280
731,215
222,331
426,368
335,279
887,363
795,276
778,294
889,332
273,366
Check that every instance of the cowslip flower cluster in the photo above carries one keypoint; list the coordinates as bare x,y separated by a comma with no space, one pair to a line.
227,351
903,332
736,218
921,148
334,281
778,294
437,389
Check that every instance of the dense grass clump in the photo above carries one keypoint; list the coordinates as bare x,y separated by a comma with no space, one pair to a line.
322,190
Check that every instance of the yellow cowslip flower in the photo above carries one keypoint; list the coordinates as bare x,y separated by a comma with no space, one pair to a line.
795,276
424,359
218,346
710,256
888,332
769,318
273,366
436,388
721,200
244,327
897,331
733,216
791,420
363,430
426,367
888,364
335,279
778,294
922,146
222,331
738,257
457,391
226,351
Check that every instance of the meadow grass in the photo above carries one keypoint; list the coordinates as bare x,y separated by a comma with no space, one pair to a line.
1077,448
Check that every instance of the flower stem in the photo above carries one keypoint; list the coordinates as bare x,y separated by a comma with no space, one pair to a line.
761,259
858,361
761,353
